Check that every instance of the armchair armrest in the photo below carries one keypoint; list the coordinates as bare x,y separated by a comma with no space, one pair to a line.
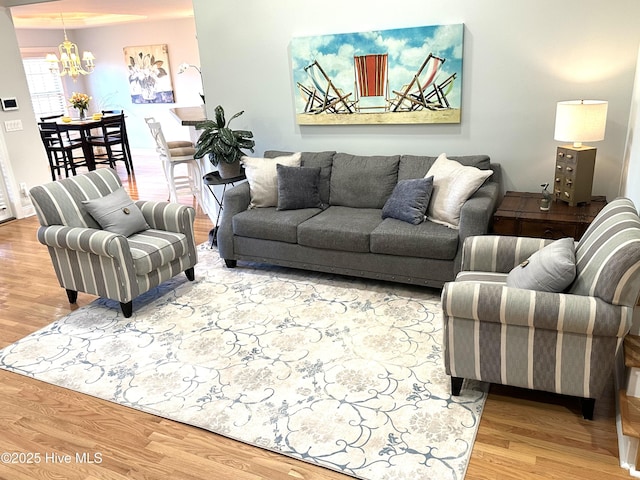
171,217
528,308
236,200
498,253
88,240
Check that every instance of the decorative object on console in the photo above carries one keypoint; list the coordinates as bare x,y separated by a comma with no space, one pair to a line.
183,67
70,59
80,101
577,121
223,145
546,198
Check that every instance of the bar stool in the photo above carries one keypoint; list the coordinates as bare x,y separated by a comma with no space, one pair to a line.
178,153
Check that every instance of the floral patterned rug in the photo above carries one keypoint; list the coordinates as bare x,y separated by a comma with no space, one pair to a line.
341,372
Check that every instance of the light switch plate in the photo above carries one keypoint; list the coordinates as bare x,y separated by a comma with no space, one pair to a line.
13,125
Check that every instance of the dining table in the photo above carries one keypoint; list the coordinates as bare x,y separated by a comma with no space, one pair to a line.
83,127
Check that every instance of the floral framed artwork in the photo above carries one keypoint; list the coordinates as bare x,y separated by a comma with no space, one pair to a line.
149,74
404,75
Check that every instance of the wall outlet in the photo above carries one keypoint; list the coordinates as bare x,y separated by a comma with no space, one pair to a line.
23,189
13,125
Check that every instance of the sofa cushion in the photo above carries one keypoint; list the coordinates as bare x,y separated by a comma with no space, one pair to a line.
363,182
153,248
117,213
340,228
550,269
453,184
324,160
263,179
426,240
298,187
409,200
271,224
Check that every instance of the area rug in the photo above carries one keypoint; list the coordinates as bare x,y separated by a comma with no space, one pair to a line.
340,372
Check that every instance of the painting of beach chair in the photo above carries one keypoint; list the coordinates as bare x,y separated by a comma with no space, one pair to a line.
372,82
323,96
423,91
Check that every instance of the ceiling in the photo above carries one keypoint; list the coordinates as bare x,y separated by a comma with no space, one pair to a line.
94,13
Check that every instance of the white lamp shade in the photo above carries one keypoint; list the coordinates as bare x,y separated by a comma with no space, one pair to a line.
581,121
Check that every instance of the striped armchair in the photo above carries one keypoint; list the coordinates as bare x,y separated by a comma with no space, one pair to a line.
557,342
91,260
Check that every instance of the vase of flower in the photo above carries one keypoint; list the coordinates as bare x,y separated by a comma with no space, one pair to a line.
80,101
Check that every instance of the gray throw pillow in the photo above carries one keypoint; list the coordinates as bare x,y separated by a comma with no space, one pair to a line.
117,213
298,187
409,200
550,269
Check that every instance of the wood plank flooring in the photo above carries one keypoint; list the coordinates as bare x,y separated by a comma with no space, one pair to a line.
522,434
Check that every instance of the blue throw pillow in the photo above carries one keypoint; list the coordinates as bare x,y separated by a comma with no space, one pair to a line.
409,200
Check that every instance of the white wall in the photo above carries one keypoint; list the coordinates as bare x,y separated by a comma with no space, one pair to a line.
520,58
630,186
22,151
108,85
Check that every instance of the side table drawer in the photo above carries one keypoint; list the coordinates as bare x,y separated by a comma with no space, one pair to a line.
551,230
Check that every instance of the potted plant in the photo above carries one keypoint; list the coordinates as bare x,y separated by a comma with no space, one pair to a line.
223,145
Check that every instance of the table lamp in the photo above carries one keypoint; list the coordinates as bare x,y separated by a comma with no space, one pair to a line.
577,121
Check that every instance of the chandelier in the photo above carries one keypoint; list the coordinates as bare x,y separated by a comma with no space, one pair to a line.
69,62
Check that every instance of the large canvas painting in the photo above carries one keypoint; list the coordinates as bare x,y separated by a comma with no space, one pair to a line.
149,74
406,75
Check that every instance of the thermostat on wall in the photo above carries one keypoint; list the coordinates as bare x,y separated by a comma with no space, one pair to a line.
9,104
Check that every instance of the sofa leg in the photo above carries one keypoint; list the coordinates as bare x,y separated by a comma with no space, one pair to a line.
127,309
588,405
456,385
230,263
190,273
72,295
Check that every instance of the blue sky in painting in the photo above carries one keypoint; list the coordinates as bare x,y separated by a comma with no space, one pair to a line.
407,49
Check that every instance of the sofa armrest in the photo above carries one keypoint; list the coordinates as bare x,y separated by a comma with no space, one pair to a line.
88,240
476,214
236,200
528,308
498,253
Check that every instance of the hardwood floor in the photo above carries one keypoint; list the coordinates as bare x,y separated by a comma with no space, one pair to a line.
522,434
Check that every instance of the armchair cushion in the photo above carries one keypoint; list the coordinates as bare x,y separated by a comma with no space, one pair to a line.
151,249
116,213
551,269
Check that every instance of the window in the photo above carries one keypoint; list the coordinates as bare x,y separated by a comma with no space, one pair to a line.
47,94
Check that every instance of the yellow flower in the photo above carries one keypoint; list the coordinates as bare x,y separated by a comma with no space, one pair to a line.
79,100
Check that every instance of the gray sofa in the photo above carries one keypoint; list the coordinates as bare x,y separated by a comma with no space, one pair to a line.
350,237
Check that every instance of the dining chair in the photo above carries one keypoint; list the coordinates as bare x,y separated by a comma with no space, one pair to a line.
59,148
113,139
177,153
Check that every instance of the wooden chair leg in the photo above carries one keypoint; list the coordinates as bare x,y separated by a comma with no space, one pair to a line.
190,273
588,405
456,385
230,263
72,295
127,309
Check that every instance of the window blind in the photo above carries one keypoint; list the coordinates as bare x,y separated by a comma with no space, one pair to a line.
47,94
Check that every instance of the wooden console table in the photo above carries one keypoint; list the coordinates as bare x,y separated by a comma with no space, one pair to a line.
519,214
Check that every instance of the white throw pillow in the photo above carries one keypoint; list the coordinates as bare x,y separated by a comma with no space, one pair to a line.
262,176
453,184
